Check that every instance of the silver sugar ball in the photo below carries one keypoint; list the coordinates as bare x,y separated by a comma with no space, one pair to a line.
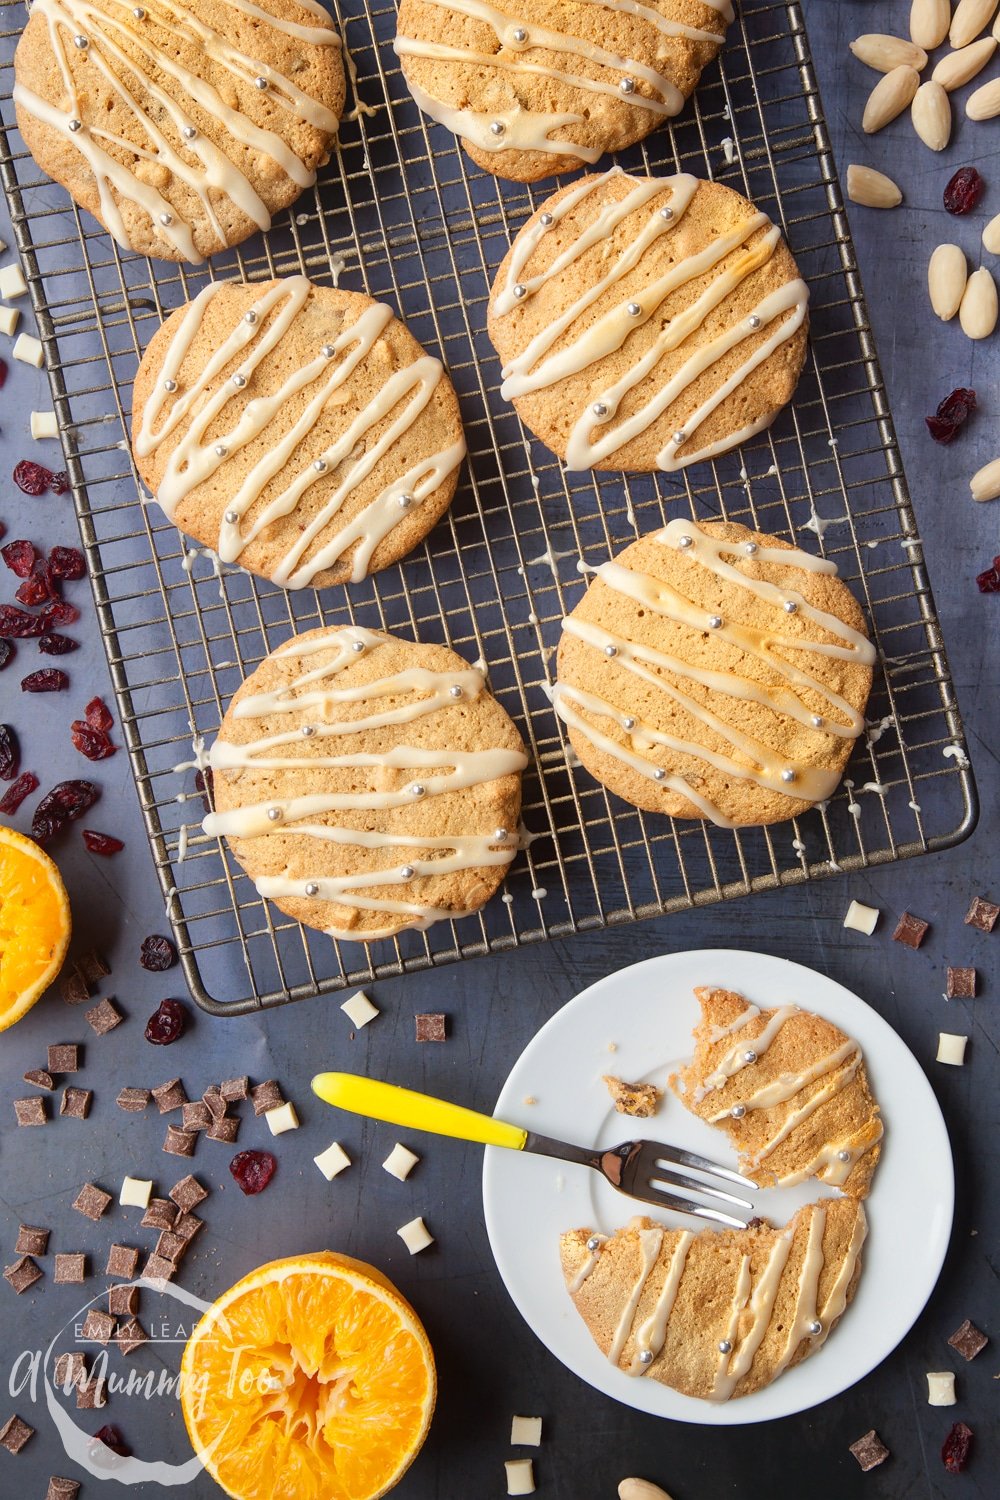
593,1243
166,219
358,646
627,85
497,127
139,13
754,320
611,650
666,213
312,889
308,729
499,834
220,449
635,310
659,774
843,1156
815,1327
260,83
715,622
738,1111
319,464
81,42
274,814
239,381
725,1347
790,607
190,134
232,516
170,386
547,219
250,317
749,1055
788,774
417,789
407,872
680,437
600,409
751,549
685,541
75,125
328,351
816,720
645,1356
628,722
404,501
519,34
455,691
520,291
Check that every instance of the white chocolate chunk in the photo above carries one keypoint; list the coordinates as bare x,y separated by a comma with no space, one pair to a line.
281,1118
951,1048
28,350
416,1237
861,918
359,1010
12,282
9,319
332,1161
520,1476
525,1432
44,425
940,1388
400,1161
135,1193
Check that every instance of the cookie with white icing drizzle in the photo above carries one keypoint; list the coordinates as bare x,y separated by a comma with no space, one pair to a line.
183,127
298,430
714,672
790,1090
646,323
532,88
717,1314
368,784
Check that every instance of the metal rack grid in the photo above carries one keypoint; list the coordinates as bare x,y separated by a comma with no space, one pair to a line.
401,213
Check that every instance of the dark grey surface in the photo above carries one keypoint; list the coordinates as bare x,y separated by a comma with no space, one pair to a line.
490,1364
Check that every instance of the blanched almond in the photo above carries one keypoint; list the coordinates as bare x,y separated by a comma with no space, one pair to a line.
991,236
947,276
871,189
929,22
985,485
979,309
890,96
640,1489
931,115
883,53
984,104
956,68
970,18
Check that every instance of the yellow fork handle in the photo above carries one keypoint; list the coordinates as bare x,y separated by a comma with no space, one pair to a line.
397,1106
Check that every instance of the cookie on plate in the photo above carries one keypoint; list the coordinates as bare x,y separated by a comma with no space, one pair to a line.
367,784
714,672
790,1090
646,323
716,1314
538,87
298,430
182,126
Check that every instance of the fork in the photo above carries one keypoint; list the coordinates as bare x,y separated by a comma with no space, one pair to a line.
647,1170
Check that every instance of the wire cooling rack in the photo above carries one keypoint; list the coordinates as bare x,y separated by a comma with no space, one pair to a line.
401,213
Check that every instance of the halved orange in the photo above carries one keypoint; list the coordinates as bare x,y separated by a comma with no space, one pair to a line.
34,924
310,1379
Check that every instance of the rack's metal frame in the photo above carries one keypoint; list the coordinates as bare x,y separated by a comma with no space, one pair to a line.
412,220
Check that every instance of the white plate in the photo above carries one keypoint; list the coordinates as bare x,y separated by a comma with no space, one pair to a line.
637,1024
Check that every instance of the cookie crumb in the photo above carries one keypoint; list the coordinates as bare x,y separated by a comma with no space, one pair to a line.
638,1099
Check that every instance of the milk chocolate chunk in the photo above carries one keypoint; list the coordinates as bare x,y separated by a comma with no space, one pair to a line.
431,1027
75,989
76,1103
123,1301
93,967
22,1274
160,1214
71,1268
266,1096
870,1451
98,1325
968,1340
179,1142
122,1261
14,1434
92,1201
62,1489
31,1111
170,1096
961,984
982,914
40,1078
225,1129
32,1239
233,1090
63,1057
187,1226
195,1115
188,1193
131,1336
158,1268
103,1017
70,1370
133,1100
911,930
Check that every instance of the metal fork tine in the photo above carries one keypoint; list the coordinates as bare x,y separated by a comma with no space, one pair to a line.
690,1159
702,1188
687,1206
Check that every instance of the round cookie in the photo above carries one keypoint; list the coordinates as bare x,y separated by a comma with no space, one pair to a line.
713,672
298,430
368,784
181,126
647,323
537,87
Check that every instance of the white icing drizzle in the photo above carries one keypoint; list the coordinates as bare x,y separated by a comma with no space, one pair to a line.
836,1299
346,462
829,1090
651,1335
743,1019
650,1241
193,160
741,1296
735,1060
520,44
828,1164
589,1264
788,1085
439,771
808,1288
760,763
734,1366
594,437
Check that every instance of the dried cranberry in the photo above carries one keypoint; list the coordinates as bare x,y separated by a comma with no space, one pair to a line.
955,1450
253,1170
10,753
98,715
18,623
66,802
101,843
15,794
59,482
3,373
964,191
157,953
989,581
112,1438
60,613
167,1023
67,562
951,415
20,557
33,479
7,654
52,644
47,680
36,589
90,742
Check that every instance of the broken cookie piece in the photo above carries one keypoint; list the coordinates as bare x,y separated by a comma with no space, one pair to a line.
638,1099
